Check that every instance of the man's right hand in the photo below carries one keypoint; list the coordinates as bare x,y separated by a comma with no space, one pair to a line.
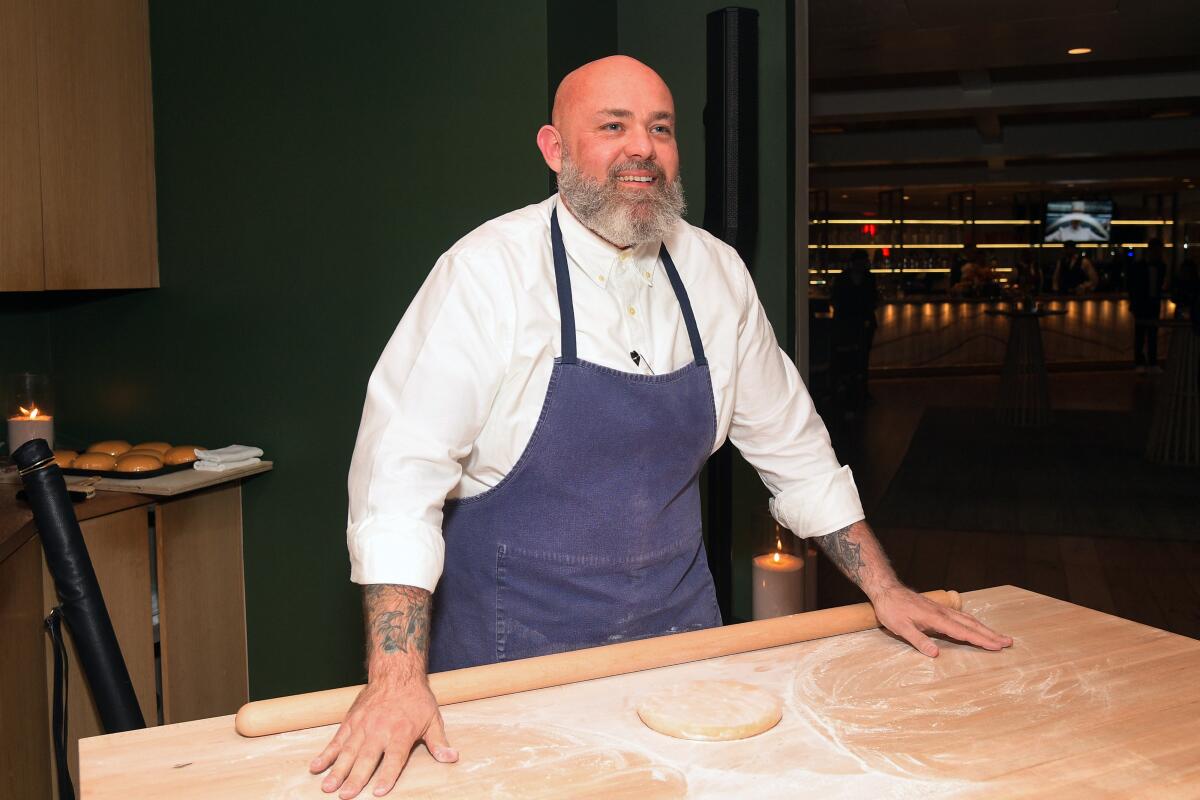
396,709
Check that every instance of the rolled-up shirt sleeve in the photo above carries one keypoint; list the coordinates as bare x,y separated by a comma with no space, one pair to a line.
427,399
777,429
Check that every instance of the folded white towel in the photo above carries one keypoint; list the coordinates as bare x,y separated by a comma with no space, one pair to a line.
221,466
228,455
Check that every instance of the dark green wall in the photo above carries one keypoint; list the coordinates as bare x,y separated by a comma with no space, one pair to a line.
311,166
24,336
313,160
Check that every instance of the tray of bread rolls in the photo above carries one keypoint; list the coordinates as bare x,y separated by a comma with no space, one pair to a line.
117,458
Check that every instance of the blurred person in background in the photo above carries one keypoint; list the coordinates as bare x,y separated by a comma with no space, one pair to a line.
1074,273
1028,276
1145,282
978,279
854,298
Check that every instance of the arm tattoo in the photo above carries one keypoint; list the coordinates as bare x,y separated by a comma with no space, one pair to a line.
845,554
397,618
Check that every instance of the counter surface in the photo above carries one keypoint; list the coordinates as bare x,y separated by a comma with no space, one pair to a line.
1083,704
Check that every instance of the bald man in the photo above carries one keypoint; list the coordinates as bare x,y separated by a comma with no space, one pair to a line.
534,433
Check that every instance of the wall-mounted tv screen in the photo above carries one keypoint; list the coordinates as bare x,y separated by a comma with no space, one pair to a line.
1078,220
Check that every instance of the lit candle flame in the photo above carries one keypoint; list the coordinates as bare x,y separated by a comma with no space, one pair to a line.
31,413
775,557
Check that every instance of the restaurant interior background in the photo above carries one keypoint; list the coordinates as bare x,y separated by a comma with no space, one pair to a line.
311,165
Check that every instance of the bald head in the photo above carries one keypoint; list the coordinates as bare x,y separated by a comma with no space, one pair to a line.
606,80
612,104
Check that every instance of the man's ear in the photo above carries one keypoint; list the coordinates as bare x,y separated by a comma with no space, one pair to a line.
549,141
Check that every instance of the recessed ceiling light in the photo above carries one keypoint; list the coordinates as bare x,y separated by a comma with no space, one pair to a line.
1079,51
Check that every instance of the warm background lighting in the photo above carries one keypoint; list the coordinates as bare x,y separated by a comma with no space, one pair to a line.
1079,51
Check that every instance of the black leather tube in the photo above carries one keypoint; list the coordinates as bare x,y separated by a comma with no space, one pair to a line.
83,606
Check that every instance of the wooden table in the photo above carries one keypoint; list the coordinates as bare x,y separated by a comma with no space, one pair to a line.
1083,705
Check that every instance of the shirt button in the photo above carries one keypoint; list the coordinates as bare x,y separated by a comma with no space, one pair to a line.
632,311
647,274
600,278
624,256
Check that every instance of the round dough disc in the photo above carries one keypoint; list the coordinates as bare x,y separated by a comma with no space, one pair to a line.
711,711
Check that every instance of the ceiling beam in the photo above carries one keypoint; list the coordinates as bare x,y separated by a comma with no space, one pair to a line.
828,107
1051,140
1166,172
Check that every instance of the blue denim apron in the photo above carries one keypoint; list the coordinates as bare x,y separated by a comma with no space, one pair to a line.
594,536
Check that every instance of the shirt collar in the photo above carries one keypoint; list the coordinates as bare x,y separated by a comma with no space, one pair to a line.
596,258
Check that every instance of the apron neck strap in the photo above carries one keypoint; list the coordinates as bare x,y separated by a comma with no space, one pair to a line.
566,306
685,305
562,279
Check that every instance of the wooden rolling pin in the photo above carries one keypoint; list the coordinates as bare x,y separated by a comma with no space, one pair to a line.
300,711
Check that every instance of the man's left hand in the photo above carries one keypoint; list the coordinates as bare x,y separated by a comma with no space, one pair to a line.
910,616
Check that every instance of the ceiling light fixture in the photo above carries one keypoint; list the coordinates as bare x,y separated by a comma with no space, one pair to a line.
1079,51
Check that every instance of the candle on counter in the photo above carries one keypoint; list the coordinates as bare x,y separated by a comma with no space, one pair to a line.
27,424
778,584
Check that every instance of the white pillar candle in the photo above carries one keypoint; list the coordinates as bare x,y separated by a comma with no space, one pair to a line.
778,585
22,428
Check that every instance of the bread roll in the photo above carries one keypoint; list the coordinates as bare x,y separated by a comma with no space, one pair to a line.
183,454
114,447
65,458
101,461
157,447
138,462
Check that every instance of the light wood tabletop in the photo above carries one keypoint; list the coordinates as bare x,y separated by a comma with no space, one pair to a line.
1083,705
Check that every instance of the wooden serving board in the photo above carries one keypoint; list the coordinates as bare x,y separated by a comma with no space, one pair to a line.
1083,704
171,483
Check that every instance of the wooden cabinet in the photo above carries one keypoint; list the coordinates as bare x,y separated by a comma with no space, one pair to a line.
200,668
76,146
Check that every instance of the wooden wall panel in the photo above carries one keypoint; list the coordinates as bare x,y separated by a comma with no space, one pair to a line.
20,181
24,709
97,152
202,605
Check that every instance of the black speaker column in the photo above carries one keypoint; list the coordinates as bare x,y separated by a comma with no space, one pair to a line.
730,214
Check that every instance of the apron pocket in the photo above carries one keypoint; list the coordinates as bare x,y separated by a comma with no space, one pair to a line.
550,602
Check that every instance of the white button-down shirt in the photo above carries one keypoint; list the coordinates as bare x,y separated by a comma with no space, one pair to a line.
458,390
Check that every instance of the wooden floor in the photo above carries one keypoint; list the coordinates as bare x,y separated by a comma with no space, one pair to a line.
1153,582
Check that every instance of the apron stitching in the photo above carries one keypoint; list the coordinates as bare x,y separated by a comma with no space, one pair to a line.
501,552
529,451
637,377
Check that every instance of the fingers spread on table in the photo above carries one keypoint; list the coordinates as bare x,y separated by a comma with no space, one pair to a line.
389,770
341,768
364,768
965,628
330,753
999,640
436,741
920,641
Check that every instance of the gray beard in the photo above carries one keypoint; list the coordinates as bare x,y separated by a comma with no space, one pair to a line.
608,211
